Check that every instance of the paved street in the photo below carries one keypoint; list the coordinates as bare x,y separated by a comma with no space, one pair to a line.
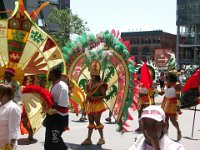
115,140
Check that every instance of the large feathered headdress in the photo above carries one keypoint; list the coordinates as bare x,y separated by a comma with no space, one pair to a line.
96,60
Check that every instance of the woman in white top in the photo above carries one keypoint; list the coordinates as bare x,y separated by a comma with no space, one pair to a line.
10,115
171,102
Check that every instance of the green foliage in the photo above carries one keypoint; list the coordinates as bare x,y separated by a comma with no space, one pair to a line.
67,23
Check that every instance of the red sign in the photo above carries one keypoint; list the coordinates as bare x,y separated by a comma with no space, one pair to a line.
161,57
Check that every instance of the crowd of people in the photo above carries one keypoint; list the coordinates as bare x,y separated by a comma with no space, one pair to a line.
149,115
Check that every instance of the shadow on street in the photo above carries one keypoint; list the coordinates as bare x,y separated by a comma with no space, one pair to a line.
84,147
25,141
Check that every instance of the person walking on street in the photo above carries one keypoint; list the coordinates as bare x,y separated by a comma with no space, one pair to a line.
57,120
171,102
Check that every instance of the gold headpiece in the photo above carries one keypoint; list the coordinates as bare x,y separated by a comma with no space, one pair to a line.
13,69
95,67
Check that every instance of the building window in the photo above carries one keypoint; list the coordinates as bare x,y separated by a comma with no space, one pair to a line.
54,1
154,40
188,53
149,41
146,40
132,41
145,51
142,41
158,40
51,1
134,51
138,41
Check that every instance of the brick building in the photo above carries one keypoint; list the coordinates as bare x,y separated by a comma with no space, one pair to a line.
144,43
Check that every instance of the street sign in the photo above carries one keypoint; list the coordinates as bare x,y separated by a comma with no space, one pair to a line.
161,57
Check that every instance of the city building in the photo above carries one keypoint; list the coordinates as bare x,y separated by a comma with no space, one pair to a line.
148,44
188,27
34,4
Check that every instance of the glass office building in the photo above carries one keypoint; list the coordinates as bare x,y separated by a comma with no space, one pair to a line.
188,27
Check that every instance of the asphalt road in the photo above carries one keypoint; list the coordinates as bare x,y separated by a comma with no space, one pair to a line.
114,139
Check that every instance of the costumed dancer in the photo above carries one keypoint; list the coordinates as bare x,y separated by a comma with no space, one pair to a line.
57,119
109,117
96,92
25,126
83,115
8,80
146,94
171,102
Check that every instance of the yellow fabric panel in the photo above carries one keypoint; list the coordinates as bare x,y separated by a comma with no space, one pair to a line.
113,81
3,40
34,110
52,63
48,53
29,51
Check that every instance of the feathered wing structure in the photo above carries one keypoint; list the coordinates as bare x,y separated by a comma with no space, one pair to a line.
116,69
36,102
31,53
172,62
76,94
27,48
190,91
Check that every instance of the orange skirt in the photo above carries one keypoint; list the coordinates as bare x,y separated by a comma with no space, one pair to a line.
95,106
169,105
144,101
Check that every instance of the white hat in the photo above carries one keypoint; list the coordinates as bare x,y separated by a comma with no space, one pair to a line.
153,112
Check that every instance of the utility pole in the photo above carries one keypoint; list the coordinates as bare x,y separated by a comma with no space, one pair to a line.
177,46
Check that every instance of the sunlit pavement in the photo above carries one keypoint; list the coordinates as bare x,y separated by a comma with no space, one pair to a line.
114,139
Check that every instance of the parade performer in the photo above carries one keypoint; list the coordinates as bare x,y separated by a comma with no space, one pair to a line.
9,80
146,94
28,54
117,69
57,120
96,92
171,101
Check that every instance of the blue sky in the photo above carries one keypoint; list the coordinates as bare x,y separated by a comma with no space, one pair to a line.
127,15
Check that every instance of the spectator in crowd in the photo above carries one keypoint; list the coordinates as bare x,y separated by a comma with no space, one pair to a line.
162,80
153,129
10,116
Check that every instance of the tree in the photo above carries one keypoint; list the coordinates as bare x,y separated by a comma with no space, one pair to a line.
67,23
